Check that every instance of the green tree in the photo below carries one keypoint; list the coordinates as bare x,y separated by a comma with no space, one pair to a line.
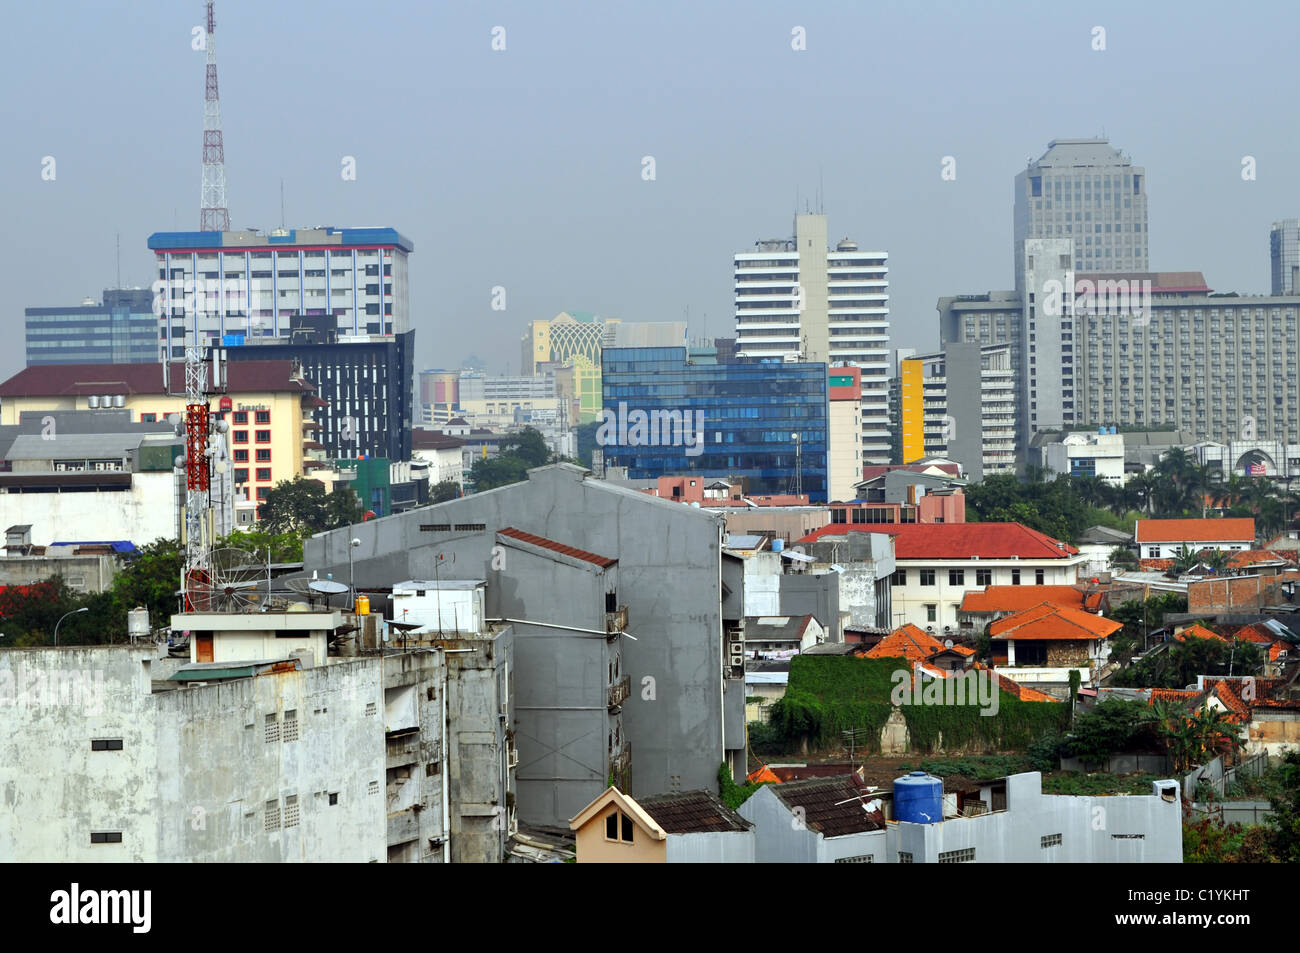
587,441
1110,727
529,446
487,474
295,506
1284,822
150,577
342,508
284,547
444,491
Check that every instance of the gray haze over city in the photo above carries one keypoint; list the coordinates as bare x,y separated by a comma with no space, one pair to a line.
522,167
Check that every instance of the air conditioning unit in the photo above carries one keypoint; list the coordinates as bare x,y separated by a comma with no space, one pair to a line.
974,557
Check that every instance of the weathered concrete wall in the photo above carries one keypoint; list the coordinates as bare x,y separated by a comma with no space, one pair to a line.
763,584
817,595
732,847
669,578
145,512
1146,829
82,573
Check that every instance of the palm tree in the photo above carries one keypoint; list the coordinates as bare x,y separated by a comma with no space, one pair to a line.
1142,486
1204,479
1180,735
1176,463
1216,559
1185,560
1216,734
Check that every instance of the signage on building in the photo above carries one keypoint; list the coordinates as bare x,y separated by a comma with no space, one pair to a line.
243,406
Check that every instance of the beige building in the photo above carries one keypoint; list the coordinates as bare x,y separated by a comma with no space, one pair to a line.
267,405
568,335
844,443
683,827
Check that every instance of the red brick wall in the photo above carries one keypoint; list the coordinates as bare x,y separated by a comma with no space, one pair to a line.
1239,592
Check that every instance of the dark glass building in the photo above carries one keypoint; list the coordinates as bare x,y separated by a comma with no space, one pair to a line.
367,382
122,329
663,416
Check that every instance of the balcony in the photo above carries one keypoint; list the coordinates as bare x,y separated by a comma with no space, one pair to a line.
616,621
620,766
618,693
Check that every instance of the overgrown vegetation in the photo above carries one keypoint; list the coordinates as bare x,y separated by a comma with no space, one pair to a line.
519,454
732,794
827,695
1178,665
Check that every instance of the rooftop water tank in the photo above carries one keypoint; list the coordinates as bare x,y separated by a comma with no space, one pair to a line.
778,545
918,798
137,623
93,401
119,400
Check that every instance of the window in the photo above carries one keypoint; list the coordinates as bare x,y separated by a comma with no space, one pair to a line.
239,417
263,456
241,456
241,473
241,436
627,829
859,859
334,798
927,577
291,725
611,826
106,837
964,856
263,492
264,436
1031,653
262,416
904,856
1050,840
931,612
1039,577
263,473
983,577
900,577
272,729
106,744
148,418
1015,577
956,577
271,817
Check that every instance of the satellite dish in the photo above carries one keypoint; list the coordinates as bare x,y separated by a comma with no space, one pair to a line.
328,586
947,643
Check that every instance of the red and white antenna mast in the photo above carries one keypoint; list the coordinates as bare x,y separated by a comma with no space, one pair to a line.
214,216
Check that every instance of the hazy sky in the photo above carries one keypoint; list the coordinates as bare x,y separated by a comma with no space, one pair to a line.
523,168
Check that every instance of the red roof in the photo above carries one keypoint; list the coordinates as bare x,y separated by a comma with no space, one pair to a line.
957,540
1198,631
1226,530
1047,621
433,440
871,471
908,642
67,380
604,562
1016,598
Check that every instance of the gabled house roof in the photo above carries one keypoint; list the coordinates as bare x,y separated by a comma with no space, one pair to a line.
957,540
1018,598
1052,622
781,628
692,812
908,642
1198,631
604,562
1225,530
612,795
831,806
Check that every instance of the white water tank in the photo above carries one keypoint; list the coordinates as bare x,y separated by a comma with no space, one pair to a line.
93,401
119,400
137,623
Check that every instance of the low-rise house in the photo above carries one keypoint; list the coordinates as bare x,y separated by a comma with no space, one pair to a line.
920,648
1044,644
938,564
982,606
685,827
788,634
819,820
1163,539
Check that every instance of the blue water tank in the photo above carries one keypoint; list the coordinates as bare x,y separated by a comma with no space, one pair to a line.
778,545
918,798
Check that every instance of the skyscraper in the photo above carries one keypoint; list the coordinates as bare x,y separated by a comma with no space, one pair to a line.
120,330
1089,191
1284,246
798,299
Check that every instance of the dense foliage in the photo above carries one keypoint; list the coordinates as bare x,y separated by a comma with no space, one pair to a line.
827,695
302,506
1177,487
525,450
1178,665
732,794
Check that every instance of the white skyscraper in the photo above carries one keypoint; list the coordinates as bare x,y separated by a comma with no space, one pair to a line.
799,299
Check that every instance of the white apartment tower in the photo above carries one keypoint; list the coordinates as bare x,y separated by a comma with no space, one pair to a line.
799,299
244,284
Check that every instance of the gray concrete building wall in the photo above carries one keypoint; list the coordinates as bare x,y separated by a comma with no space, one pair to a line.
670,577
1047,381
964,384
730,847
814,594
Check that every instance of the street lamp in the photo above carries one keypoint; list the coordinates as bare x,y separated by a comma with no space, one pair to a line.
60,622
351,583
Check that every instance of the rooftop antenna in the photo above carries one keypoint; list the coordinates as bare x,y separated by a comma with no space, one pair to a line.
214,215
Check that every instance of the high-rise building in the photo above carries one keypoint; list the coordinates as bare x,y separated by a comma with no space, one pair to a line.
364,385
844,447
121,329
1047,400
1087,190
560,339
665,417
242,285
798,299
1284,249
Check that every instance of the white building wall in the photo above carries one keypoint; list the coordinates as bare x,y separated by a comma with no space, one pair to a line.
732,847
142,514
910,600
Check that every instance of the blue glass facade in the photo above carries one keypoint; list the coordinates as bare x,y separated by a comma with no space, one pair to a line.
121,330
665,417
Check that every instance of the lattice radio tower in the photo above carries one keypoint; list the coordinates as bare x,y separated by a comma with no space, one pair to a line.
214,216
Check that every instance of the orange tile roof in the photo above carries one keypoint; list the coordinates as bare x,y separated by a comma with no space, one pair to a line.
1226,529
963,650
1228,695
1022,692
1170,695
1047,621
1253,557
1016,598
1275,651
908,642
1155,565
763,774
1196,630
957,540
1251,633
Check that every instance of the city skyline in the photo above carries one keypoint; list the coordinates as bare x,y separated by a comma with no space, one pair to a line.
517,174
